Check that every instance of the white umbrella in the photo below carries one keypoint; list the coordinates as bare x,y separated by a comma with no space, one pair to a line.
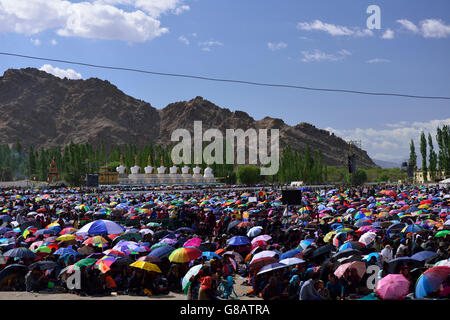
192,272
146,231
253,232
367,238
292,261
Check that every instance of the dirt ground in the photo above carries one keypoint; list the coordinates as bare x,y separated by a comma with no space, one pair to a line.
22,295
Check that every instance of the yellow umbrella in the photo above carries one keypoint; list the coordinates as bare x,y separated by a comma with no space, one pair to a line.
66,237
329,236
146,266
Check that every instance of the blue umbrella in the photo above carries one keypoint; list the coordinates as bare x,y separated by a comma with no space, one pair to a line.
371,255
290,253
211,255
66,251
5,218
100,227
239,241
424,255
161,252
20,253
4,230
46,231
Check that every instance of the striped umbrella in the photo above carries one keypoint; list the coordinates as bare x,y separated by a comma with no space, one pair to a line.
186,254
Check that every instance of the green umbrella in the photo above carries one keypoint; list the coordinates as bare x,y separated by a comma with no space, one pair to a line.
84,263
153,224
442,233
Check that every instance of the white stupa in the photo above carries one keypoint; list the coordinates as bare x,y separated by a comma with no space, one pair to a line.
173,170
185,170
197,172
136,169
121,169
208,173
148,169
161,169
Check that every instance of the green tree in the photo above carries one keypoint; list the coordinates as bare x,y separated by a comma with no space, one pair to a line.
432,159
359,177
423,151
248,174
412,154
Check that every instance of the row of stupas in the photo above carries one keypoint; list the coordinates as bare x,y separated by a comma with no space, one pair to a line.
161,177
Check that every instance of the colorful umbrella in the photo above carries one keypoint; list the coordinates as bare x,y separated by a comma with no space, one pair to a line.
352,245
186,254
431,280
97,241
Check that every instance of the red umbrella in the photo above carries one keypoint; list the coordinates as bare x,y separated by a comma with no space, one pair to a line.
393,287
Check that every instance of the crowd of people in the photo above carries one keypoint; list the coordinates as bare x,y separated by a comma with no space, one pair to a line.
378,242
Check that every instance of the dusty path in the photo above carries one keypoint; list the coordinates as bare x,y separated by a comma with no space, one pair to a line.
22,295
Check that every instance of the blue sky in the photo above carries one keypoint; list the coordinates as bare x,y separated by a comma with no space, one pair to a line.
311,43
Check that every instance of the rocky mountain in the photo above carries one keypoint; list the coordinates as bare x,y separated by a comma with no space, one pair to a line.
43,110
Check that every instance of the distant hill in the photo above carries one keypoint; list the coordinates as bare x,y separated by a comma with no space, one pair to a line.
43,110
386,164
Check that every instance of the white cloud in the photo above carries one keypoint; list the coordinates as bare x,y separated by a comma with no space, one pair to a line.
61,73
127,20
184,40
429,28
432,28
334,30
36,42
391,143
408,25
378,60
317,55
389,34
53,42
276,46
207,45
154,8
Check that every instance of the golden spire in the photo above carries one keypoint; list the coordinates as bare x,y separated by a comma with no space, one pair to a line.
121,160
135,160
162,162
149,161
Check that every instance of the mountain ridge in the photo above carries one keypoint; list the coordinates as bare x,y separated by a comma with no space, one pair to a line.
43,110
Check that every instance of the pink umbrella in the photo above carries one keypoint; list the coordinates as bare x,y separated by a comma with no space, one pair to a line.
358,265
168,241
36,245
233,263
393,287
194,242
263,237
